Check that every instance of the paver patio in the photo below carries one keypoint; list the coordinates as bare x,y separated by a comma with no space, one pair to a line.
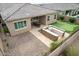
41,37
26,44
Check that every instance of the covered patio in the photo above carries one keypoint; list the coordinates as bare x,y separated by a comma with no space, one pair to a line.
38,21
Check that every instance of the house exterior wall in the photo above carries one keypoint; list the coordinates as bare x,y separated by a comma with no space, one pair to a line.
43,20
52,20
14,31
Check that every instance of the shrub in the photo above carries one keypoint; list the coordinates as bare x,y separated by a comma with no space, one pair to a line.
72,20
54,45
5,29
61,17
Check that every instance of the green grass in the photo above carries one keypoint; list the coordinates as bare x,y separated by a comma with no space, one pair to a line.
67,26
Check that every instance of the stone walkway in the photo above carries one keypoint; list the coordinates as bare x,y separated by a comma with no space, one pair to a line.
26,44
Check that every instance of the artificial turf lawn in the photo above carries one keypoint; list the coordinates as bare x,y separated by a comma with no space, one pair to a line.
67,26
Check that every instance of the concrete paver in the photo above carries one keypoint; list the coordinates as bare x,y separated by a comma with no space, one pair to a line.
42,38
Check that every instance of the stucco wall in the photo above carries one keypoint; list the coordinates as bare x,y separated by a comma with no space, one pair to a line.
12,29
43,20
52,18
66,18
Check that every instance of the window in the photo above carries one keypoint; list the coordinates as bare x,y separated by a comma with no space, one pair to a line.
49,18
67,12
54,16
19,25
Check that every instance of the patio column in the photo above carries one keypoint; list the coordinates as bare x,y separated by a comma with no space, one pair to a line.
71,12
64,12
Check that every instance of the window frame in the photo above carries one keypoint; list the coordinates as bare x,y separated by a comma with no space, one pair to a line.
48,18
20,25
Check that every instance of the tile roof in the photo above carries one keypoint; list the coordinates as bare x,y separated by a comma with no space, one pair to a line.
60,6
9,9
17,11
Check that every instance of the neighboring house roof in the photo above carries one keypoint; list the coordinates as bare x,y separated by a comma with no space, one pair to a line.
60,6
17,11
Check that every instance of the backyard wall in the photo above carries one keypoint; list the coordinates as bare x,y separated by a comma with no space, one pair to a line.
12,29
66,18
66,44
77,21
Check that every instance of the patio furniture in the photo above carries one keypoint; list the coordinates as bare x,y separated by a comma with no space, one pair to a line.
36,24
